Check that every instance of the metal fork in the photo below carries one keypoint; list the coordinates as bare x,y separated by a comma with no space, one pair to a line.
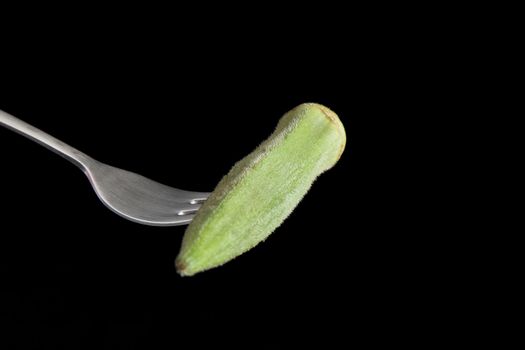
130,195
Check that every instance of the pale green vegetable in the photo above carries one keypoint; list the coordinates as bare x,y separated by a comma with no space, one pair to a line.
262,189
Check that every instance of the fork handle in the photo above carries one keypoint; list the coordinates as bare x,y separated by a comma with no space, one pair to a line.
19,126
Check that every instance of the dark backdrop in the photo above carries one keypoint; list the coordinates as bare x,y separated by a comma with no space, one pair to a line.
182,111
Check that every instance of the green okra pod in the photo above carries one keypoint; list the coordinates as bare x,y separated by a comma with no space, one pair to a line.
262,189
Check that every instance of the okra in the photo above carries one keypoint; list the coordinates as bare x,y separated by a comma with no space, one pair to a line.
261,190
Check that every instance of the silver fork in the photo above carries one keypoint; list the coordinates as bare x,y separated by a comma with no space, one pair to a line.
130,195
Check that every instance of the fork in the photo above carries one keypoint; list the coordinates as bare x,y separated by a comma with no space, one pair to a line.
130,195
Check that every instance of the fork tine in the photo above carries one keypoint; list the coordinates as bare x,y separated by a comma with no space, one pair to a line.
198,200
179,220
200,196
187,207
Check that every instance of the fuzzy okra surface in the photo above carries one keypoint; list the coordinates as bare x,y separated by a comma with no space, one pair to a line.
263,188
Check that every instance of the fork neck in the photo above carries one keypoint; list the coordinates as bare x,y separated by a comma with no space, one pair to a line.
76,157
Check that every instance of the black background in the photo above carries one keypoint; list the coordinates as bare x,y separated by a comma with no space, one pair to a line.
346,267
